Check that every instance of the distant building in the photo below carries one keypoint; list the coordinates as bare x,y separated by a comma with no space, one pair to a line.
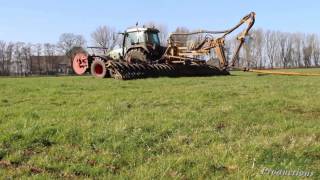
50,65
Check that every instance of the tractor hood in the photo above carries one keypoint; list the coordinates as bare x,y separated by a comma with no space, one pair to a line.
115,53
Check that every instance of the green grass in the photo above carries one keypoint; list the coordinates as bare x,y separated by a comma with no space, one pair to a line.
164,128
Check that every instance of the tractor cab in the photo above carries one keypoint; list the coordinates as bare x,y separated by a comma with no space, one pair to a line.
141,36
144,40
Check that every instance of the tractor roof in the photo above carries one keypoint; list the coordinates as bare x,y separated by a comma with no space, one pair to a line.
135,29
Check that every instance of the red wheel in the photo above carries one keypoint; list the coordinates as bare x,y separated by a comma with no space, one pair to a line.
98,68
80,63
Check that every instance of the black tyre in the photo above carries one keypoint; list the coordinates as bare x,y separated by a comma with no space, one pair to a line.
98,69
136,56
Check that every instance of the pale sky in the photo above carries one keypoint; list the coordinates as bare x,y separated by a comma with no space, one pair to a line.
41,21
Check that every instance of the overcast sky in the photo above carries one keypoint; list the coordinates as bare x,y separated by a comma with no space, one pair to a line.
40,21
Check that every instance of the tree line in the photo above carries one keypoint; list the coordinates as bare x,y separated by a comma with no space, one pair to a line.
275,49
16,57
263,49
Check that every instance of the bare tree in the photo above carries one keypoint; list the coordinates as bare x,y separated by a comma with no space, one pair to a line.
26,57
105,37
181,39
257,47
2,57
307,50
271,47
297,44
316,49
9,57
163,34
285,43
247,56
49,52
38,49
69,40
18,58
230,47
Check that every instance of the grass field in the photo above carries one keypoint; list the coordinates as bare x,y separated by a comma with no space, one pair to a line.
166,128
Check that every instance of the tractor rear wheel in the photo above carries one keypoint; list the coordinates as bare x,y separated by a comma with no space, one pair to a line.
80,63
136,56
99,69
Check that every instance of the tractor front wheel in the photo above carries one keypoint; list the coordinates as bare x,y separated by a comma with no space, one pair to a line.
136,56
98,69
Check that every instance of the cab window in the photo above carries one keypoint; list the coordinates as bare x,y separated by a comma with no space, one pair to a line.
153,38
134,38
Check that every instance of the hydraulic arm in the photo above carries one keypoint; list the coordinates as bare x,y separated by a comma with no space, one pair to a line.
210,42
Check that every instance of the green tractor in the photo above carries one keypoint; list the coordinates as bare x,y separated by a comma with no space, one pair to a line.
142,55
139,45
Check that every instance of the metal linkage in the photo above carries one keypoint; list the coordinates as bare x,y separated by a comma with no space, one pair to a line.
217,43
